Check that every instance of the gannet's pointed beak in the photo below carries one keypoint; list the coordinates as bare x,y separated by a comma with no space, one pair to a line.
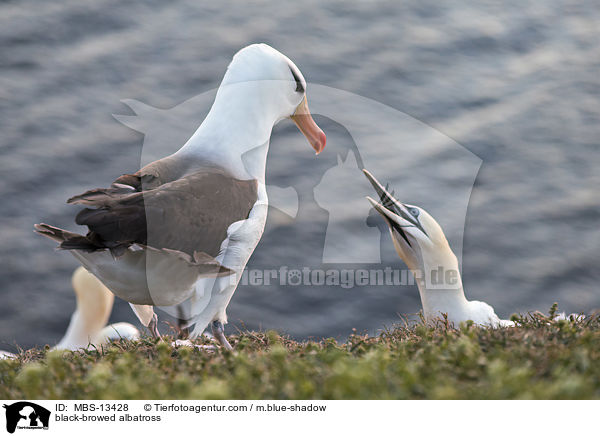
381,191
308,127
385,212
389,202
396,213
395,221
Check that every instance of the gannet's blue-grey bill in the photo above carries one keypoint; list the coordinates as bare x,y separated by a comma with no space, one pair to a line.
394,206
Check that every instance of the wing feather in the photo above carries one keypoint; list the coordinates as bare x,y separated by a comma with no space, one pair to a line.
190,213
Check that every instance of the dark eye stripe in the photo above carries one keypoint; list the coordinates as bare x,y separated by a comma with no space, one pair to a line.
299,87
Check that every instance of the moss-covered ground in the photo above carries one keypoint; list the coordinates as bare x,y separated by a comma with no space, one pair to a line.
539,358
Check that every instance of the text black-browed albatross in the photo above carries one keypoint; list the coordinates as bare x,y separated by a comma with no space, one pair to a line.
181,230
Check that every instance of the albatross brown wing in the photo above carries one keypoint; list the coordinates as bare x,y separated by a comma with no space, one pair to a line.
190,214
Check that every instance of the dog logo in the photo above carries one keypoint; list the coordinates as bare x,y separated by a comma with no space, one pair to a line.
26,415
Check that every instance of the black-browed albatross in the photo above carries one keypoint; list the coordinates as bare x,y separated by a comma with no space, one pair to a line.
181,230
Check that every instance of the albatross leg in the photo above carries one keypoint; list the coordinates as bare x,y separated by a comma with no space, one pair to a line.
153,326
219,334
182,331
147,317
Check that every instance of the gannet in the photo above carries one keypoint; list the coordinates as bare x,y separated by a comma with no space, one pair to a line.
94,305
422,245
182,229
87,326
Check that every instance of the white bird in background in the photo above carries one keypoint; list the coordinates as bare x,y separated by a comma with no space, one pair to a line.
94,305
422,245
179,232
6,355
88,323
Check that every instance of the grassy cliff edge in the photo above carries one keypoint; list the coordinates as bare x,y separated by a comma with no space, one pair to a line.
540,358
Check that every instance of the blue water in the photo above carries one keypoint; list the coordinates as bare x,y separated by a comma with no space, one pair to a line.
513,87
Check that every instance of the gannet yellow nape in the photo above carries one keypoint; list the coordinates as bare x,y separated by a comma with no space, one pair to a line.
420,242
88,323
182,229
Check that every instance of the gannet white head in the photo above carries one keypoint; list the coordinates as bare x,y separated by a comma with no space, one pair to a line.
420,241
94,305
263,83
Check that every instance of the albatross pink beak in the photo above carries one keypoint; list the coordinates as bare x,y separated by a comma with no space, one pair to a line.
308,127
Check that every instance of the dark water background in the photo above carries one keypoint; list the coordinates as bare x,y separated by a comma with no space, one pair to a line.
515,83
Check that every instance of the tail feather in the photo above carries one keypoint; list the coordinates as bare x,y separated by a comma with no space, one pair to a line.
54,233
67,240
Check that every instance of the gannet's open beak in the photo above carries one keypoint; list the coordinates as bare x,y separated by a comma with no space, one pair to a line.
394,221
395,213
389,203
386,213
308,127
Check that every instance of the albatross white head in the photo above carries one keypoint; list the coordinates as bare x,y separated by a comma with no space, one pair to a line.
420,241
272,80
260,88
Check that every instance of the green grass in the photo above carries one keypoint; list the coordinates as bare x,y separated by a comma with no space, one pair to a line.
540,358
